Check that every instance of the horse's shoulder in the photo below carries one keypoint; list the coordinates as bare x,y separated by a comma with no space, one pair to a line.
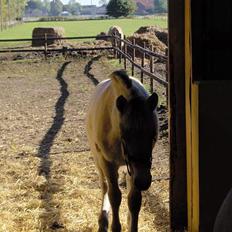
138,88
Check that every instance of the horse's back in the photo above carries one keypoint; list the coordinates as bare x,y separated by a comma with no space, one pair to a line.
97,113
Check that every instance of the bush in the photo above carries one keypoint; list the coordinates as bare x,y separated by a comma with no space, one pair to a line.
117,8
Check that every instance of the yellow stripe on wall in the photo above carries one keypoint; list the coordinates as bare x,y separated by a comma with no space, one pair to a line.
192,132
195,158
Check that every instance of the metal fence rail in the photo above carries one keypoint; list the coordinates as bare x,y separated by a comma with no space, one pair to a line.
64,49
48,38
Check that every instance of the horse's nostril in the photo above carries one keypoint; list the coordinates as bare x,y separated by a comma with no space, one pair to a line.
143,184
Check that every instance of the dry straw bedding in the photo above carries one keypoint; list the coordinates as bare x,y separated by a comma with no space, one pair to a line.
68,198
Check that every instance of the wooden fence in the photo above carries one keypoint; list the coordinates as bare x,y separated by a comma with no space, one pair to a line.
119,46
121,52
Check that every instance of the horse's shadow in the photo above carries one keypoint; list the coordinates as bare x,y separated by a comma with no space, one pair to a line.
88,68
50,217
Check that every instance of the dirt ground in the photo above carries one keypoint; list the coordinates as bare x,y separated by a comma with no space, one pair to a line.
48,178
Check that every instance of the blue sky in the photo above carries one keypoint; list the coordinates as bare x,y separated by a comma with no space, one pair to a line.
84,2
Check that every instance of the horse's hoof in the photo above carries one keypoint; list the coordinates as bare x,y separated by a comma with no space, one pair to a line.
103,229
116,228
103,222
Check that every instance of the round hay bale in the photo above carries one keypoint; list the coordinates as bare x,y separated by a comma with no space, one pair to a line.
116,30
51,32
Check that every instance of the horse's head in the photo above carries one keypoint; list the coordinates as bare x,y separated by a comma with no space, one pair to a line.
138,126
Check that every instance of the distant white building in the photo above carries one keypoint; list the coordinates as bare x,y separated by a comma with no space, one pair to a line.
88,10
101,10
65,13
93,10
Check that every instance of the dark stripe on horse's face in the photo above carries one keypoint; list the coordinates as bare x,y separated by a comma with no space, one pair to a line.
138,131
124,77
137,118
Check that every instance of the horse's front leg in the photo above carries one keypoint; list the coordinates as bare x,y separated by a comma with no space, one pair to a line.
103,218
134,204
111,173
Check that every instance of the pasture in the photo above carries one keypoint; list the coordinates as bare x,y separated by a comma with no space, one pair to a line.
48,178
85,27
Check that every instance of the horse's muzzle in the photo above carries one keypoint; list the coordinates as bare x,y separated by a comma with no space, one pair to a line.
142,183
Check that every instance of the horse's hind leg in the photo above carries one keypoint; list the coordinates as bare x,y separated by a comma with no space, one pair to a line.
105,208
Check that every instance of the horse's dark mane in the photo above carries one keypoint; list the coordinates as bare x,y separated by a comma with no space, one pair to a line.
122,74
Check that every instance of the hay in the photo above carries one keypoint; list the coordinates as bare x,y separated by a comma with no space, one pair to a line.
98,37
70,199
52,32
149,36
161,34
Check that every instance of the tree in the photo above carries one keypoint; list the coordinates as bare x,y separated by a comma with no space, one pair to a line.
10,10
102,2
117,8
34,4
56,7
73,7
34,7
46,6
160,6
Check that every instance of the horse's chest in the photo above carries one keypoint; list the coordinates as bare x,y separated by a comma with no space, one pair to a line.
113,151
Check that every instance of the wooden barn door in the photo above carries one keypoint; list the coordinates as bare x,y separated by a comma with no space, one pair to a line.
200,80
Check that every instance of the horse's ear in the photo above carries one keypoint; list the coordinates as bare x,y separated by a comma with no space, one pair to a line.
153,101
121,103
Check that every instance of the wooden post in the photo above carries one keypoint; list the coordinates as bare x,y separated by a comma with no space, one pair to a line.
8,13
133,58
142,62
177,116
151,69
1,16
120,48
166,53
115,45
45,46
65,52
125,51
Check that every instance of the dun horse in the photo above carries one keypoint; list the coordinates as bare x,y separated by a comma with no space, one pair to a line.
122,129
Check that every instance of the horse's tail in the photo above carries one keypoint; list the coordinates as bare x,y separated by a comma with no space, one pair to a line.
121,80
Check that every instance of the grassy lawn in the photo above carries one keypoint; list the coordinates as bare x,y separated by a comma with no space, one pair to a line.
84,28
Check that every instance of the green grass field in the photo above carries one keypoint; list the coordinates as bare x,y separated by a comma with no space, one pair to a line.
84,28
